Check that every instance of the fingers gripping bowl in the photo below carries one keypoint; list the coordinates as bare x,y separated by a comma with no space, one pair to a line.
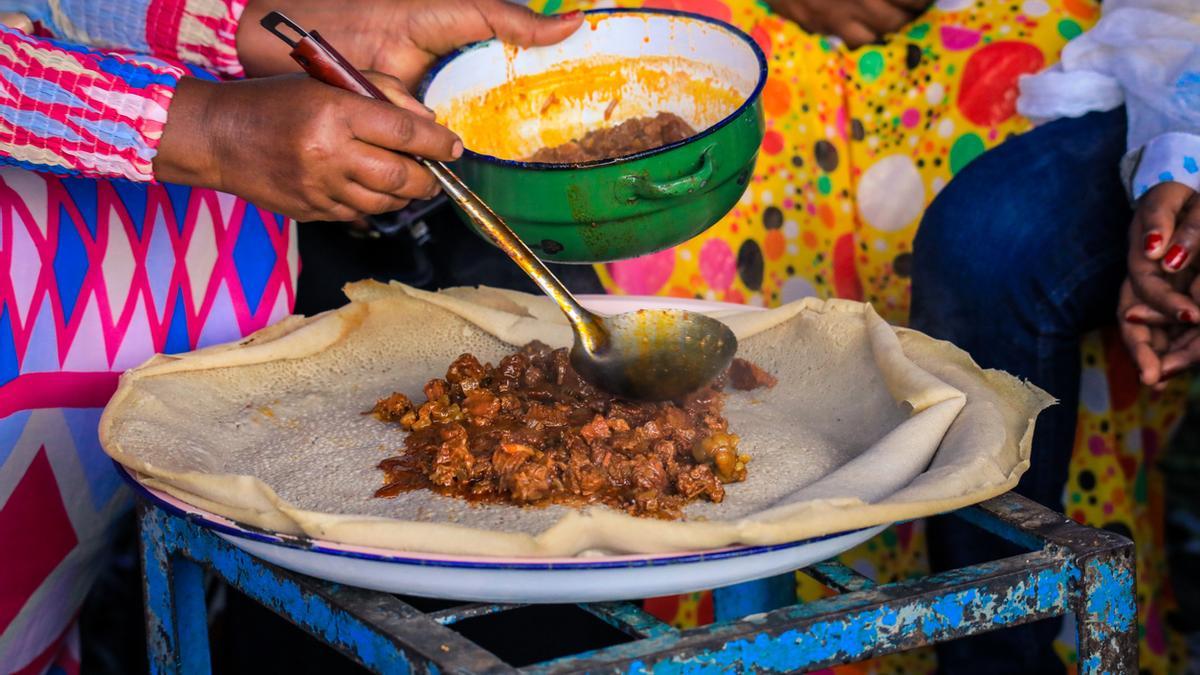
621,65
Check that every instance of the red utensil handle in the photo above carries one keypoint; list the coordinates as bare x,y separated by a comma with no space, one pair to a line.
324,63
319,59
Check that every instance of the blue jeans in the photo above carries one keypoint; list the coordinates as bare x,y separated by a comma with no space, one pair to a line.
1020,256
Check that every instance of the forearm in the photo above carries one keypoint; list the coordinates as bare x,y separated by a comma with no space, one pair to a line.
1170,157
1144,54
70,110
1163,104
185,153
198,32
201,32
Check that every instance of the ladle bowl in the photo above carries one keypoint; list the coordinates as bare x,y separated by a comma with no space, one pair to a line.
656,354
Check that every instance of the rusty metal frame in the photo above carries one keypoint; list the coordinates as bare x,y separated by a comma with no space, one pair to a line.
1069,569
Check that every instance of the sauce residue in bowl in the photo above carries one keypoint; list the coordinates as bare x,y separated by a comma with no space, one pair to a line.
564,103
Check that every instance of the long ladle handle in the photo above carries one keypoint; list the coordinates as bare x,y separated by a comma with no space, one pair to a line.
322,62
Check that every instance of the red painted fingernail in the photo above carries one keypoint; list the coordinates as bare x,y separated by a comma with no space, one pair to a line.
570,16
1186,316
1135,320
1175,257
1153,241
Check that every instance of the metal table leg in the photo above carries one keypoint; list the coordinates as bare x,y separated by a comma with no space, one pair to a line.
176,613
1069,569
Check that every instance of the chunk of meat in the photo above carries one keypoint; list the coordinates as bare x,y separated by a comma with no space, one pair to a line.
509,457
650,474
595,430
699,481
481,406
745,376
436,389
454,462
392,408
466,372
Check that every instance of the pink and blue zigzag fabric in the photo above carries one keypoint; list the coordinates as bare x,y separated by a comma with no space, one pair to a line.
101,269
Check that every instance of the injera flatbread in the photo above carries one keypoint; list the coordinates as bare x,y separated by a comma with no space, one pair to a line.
869,424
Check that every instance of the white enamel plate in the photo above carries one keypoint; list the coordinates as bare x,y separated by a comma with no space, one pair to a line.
524,580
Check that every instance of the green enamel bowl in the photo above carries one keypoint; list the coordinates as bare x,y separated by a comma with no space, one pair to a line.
628,206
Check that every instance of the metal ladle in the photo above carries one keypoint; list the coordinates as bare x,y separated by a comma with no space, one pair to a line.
650,354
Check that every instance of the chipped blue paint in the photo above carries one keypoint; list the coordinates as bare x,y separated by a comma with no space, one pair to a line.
1091,665
948,612
1037,587
629,618
187,583
455,614
855,634
863,622
1050,591
161,532
837,576
1109,594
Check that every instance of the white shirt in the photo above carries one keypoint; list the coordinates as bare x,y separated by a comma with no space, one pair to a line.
1144,54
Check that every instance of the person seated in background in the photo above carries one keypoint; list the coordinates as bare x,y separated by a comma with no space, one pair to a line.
872,108
1053,234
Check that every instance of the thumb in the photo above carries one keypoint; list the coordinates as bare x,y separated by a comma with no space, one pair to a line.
1156,214
398,95
18,21
521,26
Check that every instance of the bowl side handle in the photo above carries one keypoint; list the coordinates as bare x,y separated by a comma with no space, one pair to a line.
634,187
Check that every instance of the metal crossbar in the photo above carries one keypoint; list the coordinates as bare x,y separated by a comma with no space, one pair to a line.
1069,569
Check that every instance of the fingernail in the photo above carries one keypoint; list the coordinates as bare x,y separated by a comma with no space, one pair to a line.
1175,257
1135,320
570,16
1186,316
457,150
1153,241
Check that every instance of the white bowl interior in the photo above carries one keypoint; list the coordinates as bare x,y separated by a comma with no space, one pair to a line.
508,102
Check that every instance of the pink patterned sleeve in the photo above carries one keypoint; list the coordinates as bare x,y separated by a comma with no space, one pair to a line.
68,109
200,32
197,32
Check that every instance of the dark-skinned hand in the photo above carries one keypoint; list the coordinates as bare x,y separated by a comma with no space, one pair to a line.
856,22
301,148
401,38
332,157
1158,308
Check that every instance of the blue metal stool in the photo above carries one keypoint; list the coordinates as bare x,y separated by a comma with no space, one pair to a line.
1070,569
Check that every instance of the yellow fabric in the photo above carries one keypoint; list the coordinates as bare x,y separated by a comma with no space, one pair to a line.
857,143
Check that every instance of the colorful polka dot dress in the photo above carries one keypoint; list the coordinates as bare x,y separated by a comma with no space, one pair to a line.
857,145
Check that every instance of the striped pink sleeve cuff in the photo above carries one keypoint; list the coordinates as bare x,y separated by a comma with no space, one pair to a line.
67,109
201,32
